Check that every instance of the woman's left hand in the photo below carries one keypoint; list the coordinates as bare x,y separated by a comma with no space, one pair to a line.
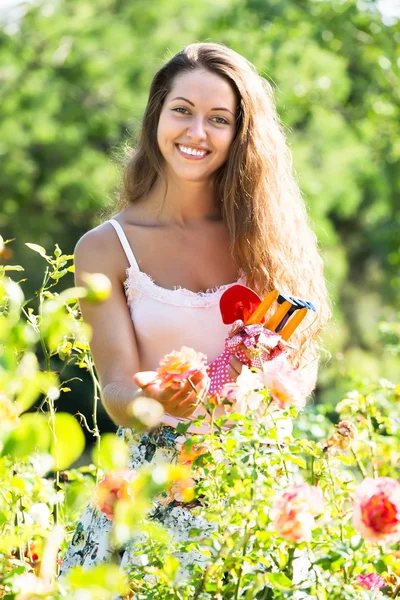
235,364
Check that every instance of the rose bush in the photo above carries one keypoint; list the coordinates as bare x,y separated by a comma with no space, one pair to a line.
300,507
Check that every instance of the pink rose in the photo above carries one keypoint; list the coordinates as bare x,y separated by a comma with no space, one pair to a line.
113,487
376,510
372,581
283,382
176,367
294,511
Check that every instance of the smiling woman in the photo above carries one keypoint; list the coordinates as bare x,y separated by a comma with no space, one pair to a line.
199,131
208,199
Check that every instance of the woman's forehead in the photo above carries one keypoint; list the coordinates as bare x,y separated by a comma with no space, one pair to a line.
201,86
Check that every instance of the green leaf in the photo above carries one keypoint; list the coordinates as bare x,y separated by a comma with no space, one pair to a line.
11,268
171,565
59,274
230,445
33,433
36,248
70,441
102,582
346,460
279,580
113,453
183,427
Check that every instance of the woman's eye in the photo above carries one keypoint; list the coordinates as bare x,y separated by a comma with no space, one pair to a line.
221,121
180,109
183,111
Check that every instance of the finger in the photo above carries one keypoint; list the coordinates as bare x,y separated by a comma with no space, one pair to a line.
191,400
235,363
188,413
246,351
201,387
232,373
144,378
197,378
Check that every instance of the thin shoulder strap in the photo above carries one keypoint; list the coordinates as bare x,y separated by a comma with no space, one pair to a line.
125,244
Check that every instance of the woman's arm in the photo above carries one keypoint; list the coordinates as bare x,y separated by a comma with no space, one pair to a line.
113,343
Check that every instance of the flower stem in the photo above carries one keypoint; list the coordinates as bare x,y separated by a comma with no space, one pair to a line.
96,395
396,591
359,463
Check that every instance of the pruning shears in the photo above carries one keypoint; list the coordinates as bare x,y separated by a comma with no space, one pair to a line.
241,302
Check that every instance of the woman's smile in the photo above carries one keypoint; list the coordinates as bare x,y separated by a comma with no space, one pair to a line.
192,152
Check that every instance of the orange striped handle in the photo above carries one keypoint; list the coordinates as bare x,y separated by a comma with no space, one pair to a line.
293,323
278,316
262,308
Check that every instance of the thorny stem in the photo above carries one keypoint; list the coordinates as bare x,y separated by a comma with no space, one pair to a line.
374,458
281,455
246,539
396,591
17,523
359,463
96,396
338,511
207,571
246,534
41,299
49,400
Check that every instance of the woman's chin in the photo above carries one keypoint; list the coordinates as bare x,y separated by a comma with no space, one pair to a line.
190,175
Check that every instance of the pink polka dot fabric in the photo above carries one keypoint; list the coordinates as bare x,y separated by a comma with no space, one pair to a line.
268,345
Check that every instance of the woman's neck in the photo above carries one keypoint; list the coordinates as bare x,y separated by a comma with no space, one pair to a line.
182,202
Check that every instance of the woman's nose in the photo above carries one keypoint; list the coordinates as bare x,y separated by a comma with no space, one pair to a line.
197,130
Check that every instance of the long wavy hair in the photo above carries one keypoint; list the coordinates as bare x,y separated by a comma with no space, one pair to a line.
261,203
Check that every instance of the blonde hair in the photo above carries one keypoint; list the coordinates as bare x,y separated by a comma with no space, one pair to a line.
261,203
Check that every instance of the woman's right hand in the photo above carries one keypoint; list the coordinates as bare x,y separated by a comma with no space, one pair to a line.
177,403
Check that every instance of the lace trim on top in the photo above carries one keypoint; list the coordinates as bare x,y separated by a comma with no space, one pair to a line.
137,283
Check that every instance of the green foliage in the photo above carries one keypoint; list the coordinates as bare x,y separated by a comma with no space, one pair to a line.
237,477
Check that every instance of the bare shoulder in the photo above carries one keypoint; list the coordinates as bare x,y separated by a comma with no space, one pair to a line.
99,250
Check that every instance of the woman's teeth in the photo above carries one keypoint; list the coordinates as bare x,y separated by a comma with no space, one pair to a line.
191,151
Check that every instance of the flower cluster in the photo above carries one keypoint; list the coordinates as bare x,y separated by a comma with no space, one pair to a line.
372,581
113,487
376,510
283,382
175,368
293,512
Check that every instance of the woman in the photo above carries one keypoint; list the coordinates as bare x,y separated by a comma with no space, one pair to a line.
208,199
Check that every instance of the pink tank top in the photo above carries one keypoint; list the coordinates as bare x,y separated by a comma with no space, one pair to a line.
165,320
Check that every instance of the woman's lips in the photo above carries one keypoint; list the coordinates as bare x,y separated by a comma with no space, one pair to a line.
191,156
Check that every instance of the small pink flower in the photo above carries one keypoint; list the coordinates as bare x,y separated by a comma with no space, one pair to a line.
376,510
113,487
372,581
176,367
181,490
229,391
293,512
283,382
188,455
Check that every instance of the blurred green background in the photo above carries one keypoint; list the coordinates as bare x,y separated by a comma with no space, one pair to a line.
74,79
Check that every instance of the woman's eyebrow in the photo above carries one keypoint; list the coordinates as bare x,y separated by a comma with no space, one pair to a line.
189,102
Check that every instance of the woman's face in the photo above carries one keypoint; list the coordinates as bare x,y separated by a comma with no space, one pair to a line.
197,125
